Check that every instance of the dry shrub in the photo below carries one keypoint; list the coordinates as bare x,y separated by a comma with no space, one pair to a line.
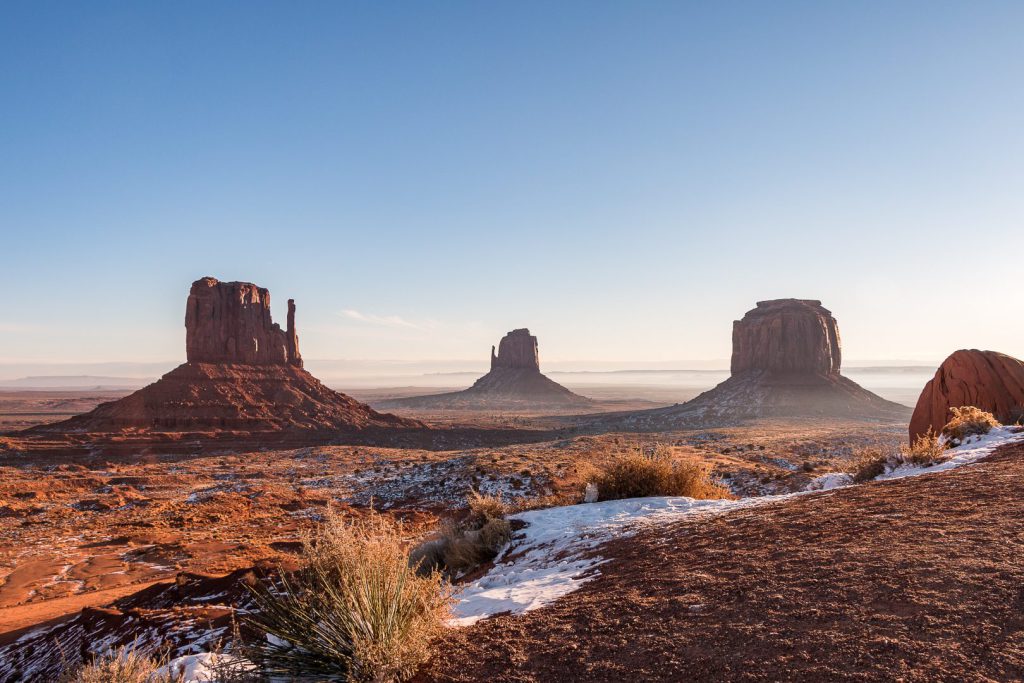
639,475
968,421
357,610
869,463
123,665
460,546
927,450
483,507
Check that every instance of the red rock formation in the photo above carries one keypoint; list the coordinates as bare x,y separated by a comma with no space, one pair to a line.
514,382
517,349
243,377
229,322
785,363
787,336
988,380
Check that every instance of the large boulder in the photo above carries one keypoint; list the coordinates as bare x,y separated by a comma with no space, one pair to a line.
988,380
229,322
787,336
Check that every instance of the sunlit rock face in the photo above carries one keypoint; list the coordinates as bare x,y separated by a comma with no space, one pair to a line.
785,363
243,379
229,322
518,350
988,380
787,336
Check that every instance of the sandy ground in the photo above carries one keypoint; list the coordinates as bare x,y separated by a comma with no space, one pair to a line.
71,532
911,580
20,409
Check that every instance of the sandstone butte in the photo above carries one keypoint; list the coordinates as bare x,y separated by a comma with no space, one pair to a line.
243,377
514,381
786,359
988,380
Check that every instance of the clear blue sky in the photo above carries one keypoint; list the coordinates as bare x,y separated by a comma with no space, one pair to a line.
625,178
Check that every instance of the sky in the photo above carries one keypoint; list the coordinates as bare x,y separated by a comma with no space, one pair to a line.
623,178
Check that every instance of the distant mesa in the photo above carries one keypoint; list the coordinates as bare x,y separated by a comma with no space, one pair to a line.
243,379
786,358
514,382
988,380
517,350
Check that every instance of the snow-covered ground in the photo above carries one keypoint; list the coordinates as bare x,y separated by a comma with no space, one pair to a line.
554,554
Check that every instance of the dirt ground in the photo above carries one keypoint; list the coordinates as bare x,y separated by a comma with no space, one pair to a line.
23,409
77,534
917,579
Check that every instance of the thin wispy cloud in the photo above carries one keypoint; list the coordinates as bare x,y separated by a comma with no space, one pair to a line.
380,320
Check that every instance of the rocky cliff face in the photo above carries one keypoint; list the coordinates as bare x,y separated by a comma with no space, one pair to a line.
243,381
787,336
518,350
785,363
229,322
986,379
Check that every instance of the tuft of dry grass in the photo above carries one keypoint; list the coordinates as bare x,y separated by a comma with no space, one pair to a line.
358,609
869,463
460,546
872,461
483,507
638,475
927,450
123,665
968,421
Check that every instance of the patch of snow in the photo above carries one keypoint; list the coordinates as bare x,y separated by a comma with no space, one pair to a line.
554,554
827,482
551,558
973,448
200,668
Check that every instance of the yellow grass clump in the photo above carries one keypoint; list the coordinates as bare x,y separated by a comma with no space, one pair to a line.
639,475
358,609
123,665
968,421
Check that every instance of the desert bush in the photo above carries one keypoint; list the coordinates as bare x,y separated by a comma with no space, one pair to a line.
869,463
123,665
637,475
357,610
927,450
483,507
968,421
461,545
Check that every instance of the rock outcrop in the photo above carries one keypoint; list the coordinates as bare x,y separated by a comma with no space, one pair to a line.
517,350
785,363
229,322
988,380
787,336
514,382
244,379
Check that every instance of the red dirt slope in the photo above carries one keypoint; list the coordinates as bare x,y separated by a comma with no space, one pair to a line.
919,579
